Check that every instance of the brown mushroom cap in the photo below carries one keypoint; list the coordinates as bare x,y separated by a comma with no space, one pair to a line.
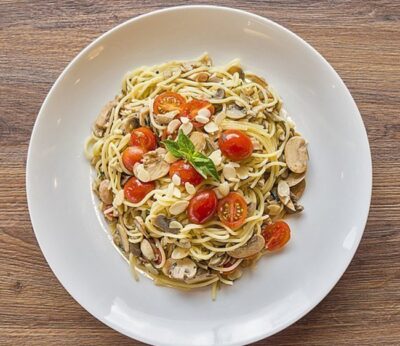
252,247
296,154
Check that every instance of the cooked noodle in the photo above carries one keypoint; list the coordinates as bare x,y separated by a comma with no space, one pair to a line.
242,101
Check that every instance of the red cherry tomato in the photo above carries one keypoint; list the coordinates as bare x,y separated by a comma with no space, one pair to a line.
186,172
144,137
135,190
202,206
168,101
235,145
131,155
276,235
192,108
232,210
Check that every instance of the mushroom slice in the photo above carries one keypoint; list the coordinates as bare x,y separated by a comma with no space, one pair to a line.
153,167
201,278
102,119
141,227
234,112
123,237
219,94
284,194
180,269
179,253
256,79
134,249
199,140
295,178
236,69
105,192
252,247
298,189
296,154
164,223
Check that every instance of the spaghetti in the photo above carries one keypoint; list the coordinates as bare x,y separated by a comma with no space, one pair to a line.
185,136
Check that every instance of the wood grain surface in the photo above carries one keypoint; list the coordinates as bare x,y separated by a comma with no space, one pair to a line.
361,39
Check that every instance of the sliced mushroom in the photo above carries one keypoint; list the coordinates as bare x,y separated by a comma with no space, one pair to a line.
199,140
105,192
235,274
219,94
256,79
179,253
295,178
181,269
234,112
166,118
124,237
153,167
141,227
284,194
252,247
134,249
102,119
201,278
296,154
298,189
164,223
236,69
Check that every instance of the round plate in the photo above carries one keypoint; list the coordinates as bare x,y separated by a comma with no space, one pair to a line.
285,285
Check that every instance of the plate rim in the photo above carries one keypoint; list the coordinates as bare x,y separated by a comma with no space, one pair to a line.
368,175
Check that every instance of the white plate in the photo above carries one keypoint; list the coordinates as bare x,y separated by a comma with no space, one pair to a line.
284,286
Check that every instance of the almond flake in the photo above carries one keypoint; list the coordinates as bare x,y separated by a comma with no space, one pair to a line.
185,120
229,172
186,128
173,126
169,158
190,189
211,127
224,188
201,119
119,198
177,193
219,118
204,112
176,179
216,157
242,172
178,207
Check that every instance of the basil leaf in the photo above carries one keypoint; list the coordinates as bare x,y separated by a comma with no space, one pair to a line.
204,165
185,144
173,148
184,148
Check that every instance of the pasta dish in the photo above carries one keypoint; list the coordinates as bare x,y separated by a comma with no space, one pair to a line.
196,167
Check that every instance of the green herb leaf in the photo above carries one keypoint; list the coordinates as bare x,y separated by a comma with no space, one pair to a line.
184,148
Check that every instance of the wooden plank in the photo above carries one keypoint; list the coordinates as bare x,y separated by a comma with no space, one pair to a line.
359,38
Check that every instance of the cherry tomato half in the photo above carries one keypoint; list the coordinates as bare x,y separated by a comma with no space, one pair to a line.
232,210
144,137
135,190
235,145
202,206
186,172
276,235
168,101
192,108
131,155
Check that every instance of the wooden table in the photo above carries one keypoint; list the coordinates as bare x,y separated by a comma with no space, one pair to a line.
361,39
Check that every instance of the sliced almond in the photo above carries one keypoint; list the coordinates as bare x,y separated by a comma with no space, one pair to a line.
173,126
177,193
219,118
202,120
229,172
242,172
204,112
216,157
185,120
284,194
176,179
178,207
190,189
186,128
224,188
147,250
251,248
211,127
